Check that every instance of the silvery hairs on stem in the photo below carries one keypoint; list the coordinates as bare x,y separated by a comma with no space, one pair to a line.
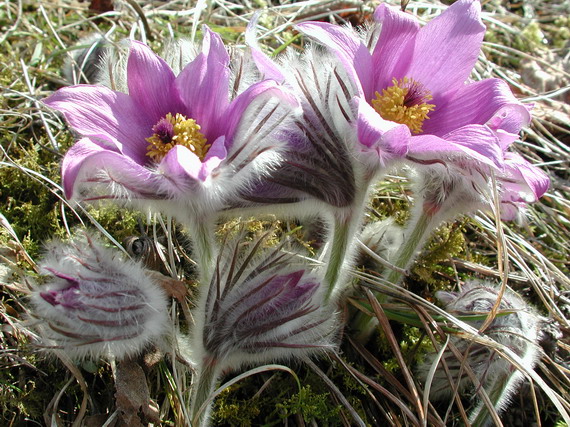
263,304
96,303
515,326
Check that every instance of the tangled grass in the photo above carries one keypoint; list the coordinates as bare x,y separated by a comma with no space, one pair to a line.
526,44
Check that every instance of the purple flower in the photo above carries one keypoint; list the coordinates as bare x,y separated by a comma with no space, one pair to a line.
96,303
419,77
171,137
325,160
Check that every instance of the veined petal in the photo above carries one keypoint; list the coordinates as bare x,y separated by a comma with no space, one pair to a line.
388,138
393,52
500,109
519,172
447,48
257,91
268,68
151,83
349,49
101,114
472,142
90,164
203,85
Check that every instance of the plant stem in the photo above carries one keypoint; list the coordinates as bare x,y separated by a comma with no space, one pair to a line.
413,242
422,226
202,233
342,236
498,393
203,388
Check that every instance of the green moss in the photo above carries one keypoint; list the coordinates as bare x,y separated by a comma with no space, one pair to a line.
236,413
29,206
560,32
119,222
311,406
447,242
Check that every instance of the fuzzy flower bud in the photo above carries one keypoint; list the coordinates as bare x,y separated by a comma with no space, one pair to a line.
515,326
259,308
262,309
96,303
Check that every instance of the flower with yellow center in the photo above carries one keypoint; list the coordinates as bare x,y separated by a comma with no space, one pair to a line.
404,102
176,130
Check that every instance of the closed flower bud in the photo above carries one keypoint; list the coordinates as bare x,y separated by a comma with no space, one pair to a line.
96,303
262,309
515,326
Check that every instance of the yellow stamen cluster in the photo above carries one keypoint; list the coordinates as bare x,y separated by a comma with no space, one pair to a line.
404,102
185,132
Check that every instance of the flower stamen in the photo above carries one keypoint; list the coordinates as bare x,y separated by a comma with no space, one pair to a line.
176,130
404,102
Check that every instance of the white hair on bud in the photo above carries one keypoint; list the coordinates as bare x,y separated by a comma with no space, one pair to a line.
96,303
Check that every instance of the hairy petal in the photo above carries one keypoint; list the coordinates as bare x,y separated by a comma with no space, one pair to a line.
257,92
106,116
349,49
472,142
268,68
87,163
151,83
447,48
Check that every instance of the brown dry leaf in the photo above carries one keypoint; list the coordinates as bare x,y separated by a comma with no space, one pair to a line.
132,396
174,288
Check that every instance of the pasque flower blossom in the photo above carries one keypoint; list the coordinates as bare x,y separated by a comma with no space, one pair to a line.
96,303
419,77
325,160
179,140
329,165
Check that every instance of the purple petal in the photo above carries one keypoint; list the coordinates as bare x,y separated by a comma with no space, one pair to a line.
85,161
151,83
101,114
179,164
488,101
73,162
508,121
268,68
256,92
216,154
393,52
524,178
447,48
472,143
389,139
203,84
349,49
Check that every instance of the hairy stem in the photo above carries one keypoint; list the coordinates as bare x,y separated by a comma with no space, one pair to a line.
202,232
202,390
342,236
414,240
